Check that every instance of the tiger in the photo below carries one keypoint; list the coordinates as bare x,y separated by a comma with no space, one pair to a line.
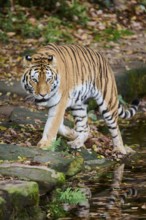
66,76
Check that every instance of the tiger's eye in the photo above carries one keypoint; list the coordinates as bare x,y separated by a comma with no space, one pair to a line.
50,57
34,80
27,57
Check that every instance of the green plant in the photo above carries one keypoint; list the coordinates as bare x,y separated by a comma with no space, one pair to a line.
136,81
54,31
3,37
104,3
121,100
55,210
70,196
115,34
29,30
75,11
112,34
143,2
12,20
55,28
6,23
55,144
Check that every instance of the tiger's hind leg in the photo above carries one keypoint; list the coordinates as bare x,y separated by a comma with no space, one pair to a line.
111,121
81,126
111,118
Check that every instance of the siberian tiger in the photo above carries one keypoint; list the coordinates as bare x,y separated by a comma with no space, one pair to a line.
66,76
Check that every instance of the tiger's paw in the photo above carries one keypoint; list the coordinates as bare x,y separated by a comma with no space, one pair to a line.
44,144
129,150
76,144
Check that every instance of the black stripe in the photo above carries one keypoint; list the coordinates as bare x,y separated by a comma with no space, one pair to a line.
72,64
101,103
54,104
104,112
96,95
108,118
134,107
115,136
76,115
77,99
79,130
80,117
131,112
112,127
122,111
72,49
112,200
78,120
77,109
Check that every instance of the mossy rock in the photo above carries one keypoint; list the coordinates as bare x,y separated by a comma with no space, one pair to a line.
47,178
19,200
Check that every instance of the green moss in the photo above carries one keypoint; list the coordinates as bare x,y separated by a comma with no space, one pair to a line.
30,213
136,81
75,166
61,178
27,194
2,207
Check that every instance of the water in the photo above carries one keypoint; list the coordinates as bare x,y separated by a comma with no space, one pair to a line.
117,191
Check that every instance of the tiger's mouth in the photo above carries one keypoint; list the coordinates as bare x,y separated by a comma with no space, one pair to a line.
41,100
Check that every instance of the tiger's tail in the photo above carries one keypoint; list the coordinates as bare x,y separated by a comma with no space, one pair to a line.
128,113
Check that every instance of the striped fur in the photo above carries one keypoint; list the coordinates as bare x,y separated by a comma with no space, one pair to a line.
67,76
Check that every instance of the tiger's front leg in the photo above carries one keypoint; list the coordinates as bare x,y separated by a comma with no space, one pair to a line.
81,126
55,116
67,132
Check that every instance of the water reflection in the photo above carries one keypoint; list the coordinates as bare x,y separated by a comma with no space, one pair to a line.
116,194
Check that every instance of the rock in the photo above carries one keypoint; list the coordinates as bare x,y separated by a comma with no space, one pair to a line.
19,200
55,160
25,116
6,110
15,88
47,178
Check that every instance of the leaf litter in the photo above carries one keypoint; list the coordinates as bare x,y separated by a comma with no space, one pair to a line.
105,30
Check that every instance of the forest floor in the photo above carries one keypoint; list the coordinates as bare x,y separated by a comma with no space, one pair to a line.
122,41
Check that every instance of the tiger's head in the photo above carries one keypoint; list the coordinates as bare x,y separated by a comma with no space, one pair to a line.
40,77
